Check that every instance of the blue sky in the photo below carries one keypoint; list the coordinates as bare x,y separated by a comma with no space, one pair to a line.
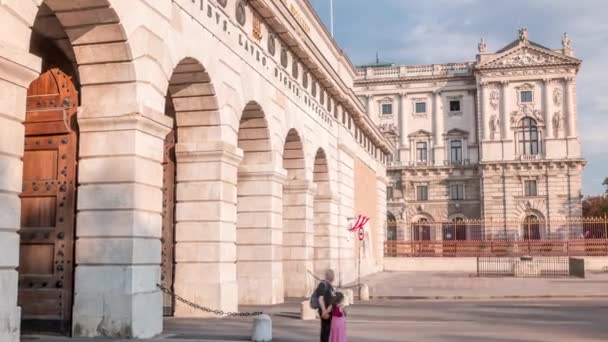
441,31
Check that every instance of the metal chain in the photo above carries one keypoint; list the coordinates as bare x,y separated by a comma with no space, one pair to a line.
202,308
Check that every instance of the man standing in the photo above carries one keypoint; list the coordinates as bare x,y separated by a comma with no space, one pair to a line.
325,291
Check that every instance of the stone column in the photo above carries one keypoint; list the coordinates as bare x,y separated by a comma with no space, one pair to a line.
402,120
438,129
298,237
484,112
17,72
571,108
380,236
118,247
547,109
369,99
325,234
259,234
205,251
504,111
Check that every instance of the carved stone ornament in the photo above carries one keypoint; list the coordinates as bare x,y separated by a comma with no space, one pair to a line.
526,110
494,124
523,34
240,12
557,96
566,42
527,57
557,122
256,29
272,45
389,129
494,99
482,47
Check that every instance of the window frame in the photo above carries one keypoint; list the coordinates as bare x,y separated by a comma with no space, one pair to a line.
528,137
459,195
459,151
527,187
526,91
425,149
388,105
416,111
459,110
419,193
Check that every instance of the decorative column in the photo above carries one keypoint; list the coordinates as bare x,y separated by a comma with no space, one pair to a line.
571,107
18,71
119,223
547,108
403,117
438,128
325,233
259,234
298,237
205,217
504,110
484,113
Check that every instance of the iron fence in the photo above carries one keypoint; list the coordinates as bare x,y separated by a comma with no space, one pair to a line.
528,267
476,238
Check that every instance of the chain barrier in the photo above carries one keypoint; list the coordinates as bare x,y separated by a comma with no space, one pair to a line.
205,309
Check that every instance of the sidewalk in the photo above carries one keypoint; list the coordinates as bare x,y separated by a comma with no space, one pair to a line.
434,285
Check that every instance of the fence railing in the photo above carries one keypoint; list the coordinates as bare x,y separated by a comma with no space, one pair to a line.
474,238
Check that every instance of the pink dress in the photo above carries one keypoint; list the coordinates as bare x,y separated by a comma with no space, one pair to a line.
338,326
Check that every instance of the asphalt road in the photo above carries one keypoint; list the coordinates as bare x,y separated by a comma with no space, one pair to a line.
537,320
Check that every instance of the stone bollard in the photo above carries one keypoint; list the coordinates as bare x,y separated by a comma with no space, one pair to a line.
349,297
306,312
262,329
364,292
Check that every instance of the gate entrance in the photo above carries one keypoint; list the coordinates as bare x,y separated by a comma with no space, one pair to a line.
48,199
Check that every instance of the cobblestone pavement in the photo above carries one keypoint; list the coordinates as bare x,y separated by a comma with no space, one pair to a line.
580,320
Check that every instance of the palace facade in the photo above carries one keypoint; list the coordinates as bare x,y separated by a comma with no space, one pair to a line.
214,147
495,139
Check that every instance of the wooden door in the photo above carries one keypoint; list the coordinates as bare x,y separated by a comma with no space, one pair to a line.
168,232
48,199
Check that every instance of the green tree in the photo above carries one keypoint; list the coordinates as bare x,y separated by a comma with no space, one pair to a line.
596,206
606,185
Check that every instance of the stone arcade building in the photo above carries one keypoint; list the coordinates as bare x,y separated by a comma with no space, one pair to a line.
495,139
214,144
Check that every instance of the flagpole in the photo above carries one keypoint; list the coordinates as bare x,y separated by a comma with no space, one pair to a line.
331,17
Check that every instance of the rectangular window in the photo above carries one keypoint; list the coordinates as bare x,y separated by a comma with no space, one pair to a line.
389,193
456,151
530,188
422,193
420,107
457,192
455,106
387,108
525,96
421,152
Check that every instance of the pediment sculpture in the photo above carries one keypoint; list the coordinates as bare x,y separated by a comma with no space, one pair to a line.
526,110
389,128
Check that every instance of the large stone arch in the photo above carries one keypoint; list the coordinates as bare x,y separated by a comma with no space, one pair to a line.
90,33
205,189
259,212
325,217
298,230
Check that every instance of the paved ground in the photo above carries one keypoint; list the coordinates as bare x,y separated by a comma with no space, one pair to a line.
580,320
429,285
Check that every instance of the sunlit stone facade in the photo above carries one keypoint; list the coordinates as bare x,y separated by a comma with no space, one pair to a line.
494,139
220,150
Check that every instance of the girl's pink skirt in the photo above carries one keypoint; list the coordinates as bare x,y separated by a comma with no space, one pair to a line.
338,329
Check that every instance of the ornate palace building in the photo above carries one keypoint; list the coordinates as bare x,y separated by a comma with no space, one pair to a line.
494,139
214,147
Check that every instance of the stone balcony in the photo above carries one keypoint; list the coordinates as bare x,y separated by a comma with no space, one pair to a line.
404,71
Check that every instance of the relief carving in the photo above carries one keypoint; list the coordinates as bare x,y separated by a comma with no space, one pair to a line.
557,122
494,99
494,124
527,58
557,96
526,110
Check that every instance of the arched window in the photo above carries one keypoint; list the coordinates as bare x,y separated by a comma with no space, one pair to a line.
391,227
531,228
422,230
528,137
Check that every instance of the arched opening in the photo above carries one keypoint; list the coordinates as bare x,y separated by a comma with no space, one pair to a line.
48,197
298,232
258,227
198,196
421,230
531,228
325,236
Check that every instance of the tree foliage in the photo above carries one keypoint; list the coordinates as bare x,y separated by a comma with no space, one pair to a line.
595,206
606,185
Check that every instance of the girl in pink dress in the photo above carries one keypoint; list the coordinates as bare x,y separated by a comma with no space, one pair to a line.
338,320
